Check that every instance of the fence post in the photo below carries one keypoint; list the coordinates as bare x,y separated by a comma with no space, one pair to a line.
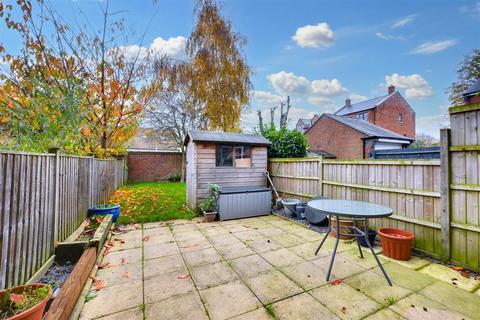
56,195
320,176
445,192
90,184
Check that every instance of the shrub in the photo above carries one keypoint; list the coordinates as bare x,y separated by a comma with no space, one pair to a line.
285,143
175,176
210,204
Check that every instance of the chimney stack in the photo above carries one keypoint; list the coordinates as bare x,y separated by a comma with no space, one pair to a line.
348,103
391,89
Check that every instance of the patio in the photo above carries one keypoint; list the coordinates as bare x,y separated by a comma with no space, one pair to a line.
261,267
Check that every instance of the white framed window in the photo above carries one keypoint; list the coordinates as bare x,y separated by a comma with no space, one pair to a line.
400,117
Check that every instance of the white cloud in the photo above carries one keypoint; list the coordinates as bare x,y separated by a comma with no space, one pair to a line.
403,21
314,36
434,47
318,92
173,47
474,10
265,98
432,124
357,97
388,36
287,83
415,86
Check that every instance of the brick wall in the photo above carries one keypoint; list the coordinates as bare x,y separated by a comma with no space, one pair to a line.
335,138
150,166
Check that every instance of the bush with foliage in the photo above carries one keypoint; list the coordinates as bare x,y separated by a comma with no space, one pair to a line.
210,204
285,143
175,176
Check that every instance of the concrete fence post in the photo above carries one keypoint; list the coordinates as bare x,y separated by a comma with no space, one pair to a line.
445,192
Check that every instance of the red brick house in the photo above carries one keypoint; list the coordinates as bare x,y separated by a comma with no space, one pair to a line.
386,122
303,124
350,138
391,112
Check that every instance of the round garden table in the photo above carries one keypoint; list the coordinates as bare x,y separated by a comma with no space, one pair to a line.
350,210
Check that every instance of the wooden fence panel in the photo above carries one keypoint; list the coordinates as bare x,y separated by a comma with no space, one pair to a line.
43,199
411,188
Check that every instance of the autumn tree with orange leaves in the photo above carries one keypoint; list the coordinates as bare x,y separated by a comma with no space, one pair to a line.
76,88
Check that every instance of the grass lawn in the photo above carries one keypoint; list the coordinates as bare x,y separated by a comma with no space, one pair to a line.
151,201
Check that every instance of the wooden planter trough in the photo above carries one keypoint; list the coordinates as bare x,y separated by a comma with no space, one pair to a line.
71,249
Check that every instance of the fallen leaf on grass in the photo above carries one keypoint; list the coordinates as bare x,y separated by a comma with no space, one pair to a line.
336,282
183,276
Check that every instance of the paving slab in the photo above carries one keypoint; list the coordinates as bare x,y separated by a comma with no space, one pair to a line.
223,239
122,257
306,274
345,302
235,250
188,227
201,257
272,286
194,245
309,235
237,227
158,239
251,266
133,314
159,266
210,275
384,314
456,299
282,257
447,274
303,307
249,235
128,272
259,314
342,267
214,230
377,288
405,277
263,244
158,224
167,285
152,251
189,235
307,251
113,299
229,300
368,261
152,232
417,306
414,263
185,306
125,243
287,240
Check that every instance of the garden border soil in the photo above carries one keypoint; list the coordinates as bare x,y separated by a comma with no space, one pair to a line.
63,305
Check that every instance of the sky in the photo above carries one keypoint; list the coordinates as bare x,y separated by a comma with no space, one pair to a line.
321,52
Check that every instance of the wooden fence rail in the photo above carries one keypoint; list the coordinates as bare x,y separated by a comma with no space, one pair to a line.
43,199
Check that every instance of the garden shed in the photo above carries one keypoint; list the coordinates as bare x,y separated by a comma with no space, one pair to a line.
230,160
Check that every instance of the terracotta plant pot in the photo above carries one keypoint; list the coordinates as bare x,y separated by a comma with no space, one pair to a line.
396,243
343,229
210,216
35,312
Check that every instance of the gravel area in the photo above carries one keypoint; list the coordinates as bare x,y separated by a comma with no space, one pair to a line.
57,275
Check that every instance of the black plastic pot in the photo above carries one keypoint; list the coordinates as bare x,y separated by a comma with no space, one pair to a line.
371,238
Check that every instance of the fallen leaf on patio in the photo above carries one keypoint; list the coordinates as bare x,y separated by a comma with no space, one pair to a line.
465,274
126,274
122,261
183,276
90,296
343,310
103,265
105,252
336,282
245,226
146,238
457,268
98,285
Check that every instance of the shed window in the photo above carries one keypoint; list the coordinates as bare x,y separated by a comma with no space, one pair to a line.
228,155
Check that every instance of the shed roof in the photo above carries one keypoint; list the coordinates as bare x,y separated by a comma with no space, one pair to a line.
367,128
363,105
226,137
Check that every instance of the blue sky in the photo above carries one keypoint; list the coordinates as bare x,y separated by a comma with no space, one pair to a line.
321,52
